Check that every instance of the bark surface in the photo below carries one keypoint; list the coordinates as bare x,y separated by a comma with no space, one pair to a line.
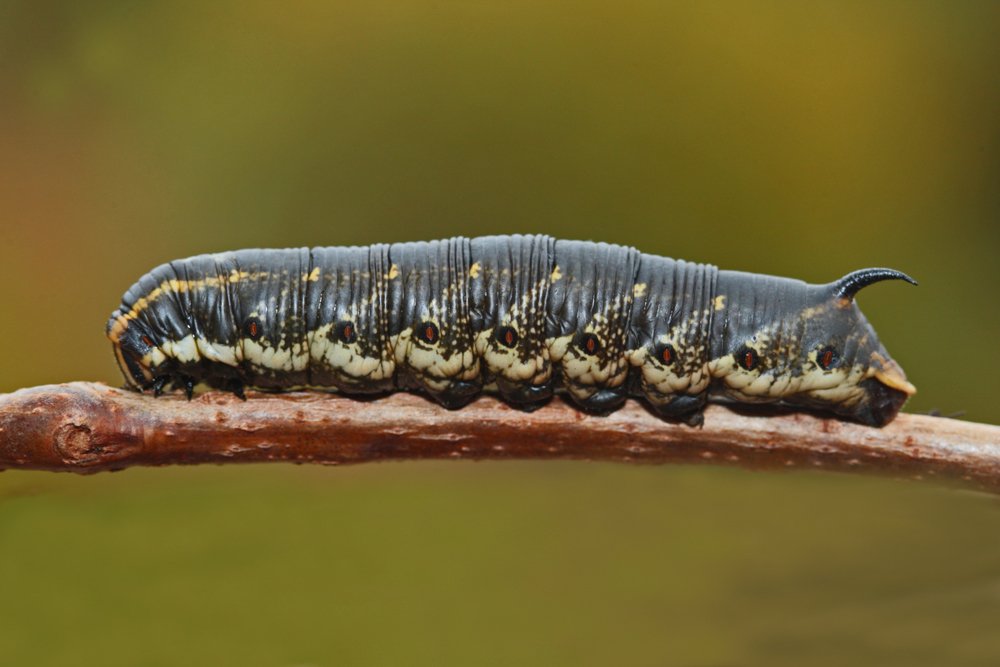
87,427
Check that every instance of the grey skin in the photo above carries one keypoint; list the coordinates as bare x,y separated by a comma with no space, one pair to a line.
520,315
806,335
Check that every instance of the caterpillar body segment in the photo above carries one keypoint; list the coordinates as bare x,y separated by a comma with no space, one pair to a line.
524,315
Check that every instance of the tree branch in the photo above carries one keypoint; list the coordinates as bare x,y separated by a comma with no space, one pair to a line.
86,427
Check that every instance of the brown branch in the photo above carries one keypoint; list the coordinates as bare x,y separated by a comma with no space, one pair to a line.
86,427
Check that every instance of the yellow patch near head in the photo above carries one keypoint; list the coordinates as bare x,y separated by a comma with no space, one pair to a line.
888,372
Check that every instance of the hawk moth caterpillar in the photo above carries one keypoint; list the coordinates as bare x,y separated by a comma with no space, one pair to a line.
521,315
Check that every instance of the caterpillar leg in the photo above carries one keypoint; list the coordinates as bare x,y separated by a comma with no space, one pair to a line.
527,394
603,400
687,409
458,394
236,386
529,406
159,384
187,383
156,385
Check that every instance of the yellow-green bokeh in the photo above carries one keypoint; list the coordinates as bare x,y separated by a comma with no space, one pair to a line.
799,138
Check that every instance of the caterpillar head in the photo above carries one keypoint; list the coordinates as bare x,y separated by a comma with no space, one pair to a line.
131,347
827,356
138,348
841,345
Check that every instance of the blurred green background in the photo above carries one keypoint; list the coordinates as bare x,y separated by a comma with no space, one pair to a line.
800,139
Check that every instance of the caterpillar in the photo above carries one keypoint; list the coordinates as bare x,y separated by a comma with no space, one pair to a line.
519,315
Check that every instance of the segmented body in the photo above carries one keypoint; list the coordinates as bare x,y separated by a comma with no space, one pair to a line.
523,314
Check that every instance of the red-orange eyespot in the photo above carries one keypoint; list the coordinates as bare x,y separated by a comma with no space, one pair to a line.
252,328
507,336
145,339
346,332
667,354
590,344
827,358
428,332
747,358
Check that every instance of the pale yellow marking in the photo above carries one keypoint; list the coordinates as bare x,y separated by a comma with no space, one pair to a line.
720,302
474,270
890,374
558,347
669,379
393,272
154,358
584,369
505,362
185,285
639,289
555,274
280,358
229,355
121,323
184,350
435,371
345,359
312,277
894,381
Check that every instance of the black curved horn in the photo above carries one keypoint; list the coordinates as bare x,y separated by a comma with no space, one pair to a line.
852,283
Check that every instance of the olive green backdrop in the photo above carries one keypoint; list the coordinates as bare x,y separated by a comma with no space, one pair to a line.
800,139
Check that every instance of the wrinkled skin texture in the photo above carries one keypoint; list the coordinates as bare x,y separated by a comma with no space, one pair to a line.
521,315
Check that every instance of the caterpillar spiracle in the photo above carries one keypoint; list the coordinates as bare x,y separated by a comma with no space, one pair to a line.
519,315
